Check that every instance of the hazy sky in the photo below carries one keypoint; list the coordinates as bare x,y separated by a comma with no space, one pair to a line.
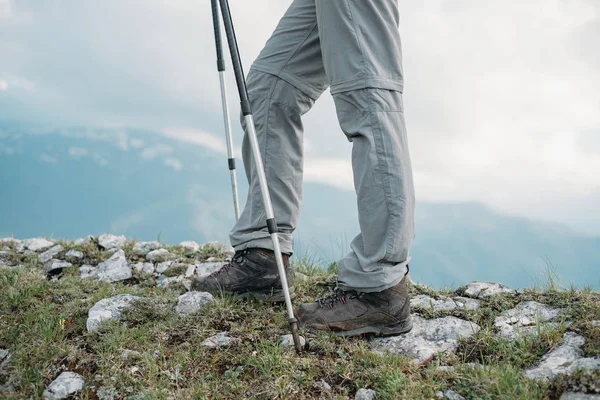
502,98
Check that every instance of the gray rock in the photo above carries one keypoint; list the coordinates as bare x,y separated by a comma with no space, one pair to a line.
595,323
452,395
191,270
205,269
221,339
74,255
4,360
191,302
189,246
300,277
79,242
444,303
159,255
67,384
107,309
579,396
88,272
467,303
323,385
4,258
108,241
128,355
288,340
427,338
35,244
563,360
486,289
55,266
364,394
145,267
143,248
50,253
164,281
107,393
163,266
114,269
524,319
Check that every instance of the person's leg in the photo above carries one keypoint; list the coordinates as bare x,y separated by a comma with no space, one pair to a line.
283,84
361,50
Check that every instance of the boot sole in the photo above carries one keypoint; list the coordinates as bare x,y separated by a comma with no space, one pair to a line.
272,296
380,329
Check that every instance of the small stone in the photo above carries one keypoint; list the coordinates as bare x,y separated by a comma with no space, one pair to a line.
191,302
323,385
579,396
427,338
56,266
107,393
486,289
596,323
164,281
114,269
74,255
50,253
191,269
452,395
524,319
221,339
563,360
145,267
300,277
189,246
108,241
143,248
128,355
205,269
67,384
88,272
163,266
364,394
35,244
4,258
107,309
288,340
79,242
4,360
159,255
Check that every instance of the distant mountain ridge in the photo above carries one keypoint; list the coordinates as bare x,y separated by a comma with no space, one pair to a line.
69,183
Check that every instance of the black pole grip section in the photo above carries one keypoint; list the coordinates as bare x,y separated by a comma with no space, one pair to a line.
217,28
272,225
231,162
235,58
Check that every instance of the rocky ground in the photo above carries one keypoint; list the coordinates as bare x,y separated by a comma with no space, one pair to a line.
111,318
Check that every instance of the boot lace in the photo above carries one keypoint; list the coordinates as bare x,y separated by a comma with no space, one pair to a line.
337,296
237,258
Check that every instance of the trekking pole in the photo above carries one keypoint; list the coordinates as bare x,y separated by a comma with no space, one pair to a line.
228,136
262,180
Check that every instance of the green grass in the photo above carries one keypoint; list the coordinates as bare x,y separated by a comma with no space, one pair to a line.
42,323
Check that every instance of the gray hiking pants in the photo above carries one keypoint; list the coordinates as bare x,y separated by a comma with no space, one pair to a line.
353,46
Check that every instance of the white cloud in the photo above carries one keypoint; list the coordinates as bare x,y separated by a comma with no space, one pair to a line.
3,85
173,163
155,151
136,143
103,162
78,152
199,138
48,159
334,172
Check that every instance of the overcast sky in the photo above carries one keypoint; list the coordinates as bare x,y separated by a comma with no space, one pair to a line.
502,98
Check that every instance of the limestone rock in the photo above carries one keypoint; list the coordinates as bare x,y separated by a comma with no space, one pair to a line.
189,246
205,269
88,272
67,384
191,302
108,241
143,248
163,266
114,269
486,289
55,266
6,242
35,244
221,339
107,309
452,395
444,303
145,267
427,338
50,253
191,269
323,385
288,340
563,360
159,255
579,396
524,319
365,394
74,255
4,360
4,258
164,281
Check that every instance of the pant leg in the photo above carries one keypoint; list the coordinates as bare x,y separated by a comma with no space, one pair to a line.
362,56
283,84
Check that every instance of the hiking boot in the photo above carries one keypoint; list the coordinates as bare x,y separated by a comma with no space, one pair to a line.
250,273
352,313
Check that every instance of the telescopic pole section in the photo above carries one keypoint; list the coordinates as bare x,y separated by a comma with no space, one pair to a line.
225,103
251,131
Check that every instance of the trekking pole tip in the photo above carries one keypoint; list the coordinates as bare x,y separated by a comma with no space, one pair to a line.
295,335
